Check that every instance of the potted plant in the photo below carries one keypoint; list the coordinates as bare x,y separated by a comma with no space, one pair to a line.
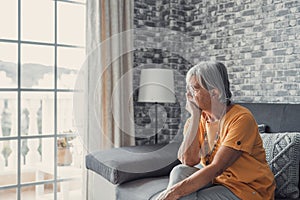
64,155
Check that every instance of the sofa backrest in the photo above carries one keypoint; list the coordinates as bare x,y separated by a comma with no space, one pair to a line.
277,117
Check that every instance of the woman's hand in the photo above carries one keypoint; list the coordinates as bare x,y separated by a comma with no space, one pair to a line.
167,195
191,105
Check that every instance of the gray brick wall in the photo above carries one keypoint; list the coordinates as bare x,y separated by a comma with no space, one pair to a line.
259,41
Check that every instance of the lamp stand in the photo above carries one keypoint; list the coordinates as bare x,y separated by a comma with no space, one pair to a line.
156,86
156,134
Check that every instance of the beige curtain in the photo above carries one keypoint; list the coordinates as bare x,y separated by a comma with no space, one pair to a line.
110,63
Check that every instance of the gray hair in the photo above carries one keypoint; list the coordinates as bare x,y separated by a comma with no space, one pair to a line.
212,75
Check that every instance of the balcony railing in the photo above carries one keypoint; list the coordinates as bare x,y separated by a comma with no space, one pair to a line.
37,143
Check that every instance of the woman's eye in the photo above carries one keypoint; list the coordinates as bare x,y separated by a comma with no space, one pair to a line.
196,87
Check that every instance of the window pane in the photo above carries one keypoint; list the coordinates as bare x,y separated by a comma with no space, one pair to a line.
8,114
69,189
70,152
70,60
9,194
71,23
37,160
8,65
9,19
65,156
37,20
8,163
44,191
37,66
37,113
65,118
69,161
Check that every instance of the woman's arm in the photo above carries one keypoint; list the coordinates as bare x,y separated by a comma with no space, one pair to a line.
189,151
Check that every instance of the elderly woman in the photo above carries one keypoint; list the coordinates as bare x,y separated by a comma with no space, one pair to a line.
222,154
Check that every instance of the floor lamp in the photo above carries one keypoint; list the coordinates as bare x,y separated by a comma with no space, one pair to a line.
156,86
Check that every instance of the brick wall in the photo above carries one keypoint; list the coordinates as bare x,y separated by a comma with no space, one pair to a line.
259,42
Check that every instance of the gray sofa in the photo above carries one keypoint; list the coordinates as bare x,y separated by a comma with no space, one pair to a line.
141,172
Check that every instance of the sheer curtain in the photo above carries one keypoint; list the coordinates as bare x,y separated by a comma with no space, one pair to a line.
110,64
108,105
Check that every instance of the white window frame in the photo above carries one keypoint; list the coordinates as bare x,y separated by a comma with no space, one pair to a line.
18,186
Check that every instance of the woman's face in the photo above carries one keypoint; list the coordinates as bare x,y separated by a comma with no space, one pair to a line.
200,95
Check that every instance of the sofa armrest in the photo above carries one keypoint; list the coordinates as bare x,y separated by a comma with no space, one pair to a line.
124,164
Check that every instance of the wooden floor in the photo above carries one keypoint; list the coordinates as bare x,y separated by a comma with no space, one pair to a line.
30,195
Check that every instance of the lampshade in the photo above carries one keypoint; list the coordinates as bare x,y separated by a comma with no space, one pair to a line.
156,85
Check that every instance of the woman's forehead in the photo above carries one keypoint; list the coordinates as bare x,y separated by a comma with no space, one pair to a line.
193,80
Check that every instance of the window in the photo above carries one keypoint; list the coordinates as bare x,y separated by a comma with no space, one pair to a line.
42,48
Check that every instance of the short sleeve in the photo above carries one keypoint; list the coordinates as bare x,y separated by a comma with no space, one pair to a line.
241,133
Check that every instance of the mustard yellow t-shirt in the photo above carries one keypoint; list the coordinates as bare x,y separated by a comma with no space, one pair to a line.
249,177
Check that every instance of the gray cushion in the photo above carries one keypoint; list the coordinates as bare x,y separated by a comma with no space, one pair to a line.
124,164
282,154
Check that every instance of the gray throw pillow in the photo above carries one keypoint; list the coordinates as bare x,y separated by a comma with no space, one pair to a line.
282,154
